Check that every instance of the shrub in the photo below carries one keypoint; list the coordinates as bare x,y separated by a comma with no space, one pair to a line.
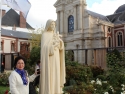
4,79
96,70
77,72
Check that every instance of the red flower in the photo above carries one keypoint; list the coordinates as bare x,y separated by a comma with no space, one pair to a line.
6,92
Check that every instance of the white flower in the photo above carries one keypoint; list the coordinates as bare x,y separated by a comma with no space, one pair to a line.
104,81
37,89
112,90
106,93
122,85
111,87
92,81
98,82
122,88
9,92
123,92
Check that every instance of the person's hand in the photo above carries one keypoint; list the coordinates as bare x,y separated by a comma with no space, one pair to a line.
37,72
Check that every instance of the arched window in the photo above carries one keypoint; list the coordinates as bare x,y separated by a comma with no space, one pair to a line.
70,23
119,39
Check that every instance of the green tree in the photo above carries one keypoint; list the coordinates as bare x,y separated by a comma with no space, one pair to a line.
34,54
116,70
35,41
35,37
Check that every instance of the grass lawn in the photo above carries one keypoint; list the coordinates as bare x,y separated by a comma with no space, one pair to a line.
3,89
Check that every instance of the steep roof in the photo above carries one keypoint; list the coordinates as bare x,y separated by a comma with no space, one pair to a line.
15,34
12,18
114,17
97,15
119,16
120,9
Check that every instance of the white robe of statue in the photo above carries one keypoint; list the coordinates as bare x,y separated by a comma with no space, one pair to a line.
52,75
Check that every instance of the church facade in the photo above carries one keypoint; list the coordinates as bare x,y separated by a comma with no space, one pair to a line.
85,31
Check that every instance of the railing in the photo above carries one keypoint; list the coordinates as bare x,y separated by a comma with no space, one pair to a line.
96,56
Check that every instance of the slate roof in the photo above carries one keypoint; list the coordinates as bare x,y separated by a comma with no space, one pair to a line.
12,18
15,34
114,17
97,15
119,16
120,9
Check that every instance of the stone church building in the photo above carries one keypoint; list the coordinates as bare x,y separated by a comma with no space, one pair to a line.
87,34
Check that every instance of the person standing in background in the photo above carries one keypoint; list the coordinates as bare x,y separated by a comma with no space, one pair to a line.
2,67
37,70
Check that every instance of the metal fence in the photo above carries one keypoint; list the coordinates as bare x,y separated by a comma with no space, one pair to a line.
92,56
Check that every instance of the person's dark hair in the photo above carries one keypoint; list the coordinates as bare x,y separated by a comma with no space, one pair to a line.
38,61
17,59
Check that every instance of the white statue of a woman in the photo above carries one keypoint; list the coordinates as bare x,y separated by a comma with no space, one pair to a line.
52,75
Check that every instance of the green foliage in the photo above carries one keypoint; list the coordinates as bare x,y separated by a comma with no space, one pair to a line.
35,42
31,62
79,76
35,39
69,55
4,79
75,89
34,55
30,68
114,61
116,70
96,70
3,89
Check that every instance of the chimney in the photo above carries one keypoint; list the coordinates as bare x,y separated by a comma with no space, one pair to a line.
22,21
3,12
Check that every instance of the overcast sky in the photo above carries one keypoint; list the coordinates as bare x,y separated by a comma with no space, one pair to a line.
42,10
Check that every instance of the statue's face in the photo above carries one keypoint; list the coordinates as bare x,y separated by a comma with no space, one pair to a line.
52,26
